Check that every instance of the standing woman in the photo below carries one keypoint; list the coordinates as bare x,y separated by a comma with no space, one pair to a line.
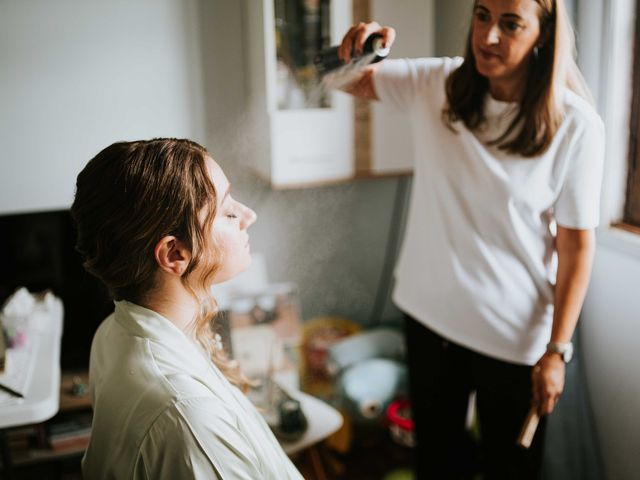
158,226
499,243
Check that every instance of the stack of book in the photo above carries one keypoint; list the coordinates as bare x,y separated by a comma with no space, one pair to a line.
21,440
70,434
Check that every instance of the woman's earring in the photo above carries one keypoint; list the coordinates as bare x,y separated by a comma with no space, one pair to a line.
536,52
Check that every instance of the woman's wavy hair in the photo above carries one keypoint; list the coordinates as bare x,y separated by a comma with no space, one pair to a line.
131,195
541,108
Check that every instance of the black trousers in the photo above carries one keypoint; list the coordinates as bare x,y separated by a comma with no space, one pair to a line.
441,377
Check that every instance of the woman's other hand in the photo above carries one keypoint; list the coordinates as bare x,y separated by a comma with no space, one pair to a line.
548,382
354,39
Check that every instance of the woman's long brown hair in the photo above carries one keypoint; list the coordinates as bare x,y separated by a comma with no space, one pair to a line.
541,108
128,197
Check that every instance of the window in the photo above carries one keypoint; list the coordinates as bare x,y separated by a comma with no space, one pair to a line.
631,215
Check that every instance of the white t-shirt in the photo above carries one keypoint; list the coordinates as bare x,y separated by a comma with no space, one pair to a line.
162,410
477,263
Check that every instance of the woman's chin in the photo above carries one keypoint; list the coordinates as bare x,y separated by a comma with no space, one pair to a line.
488,70
484,71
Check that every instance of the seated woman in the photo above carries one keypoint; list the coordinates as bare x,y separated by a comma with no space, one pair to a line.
157,225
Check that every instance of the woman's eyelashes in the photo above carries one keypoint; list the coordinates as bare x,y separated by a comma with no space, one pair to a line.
230,207
482,16
505,25
511,26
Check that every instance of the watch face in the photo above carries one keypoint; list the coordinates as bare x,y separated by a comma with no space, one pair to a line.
565,350
567,353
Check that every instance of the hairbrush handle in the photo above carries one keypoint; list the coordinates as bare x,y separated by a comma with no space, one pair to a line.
529,428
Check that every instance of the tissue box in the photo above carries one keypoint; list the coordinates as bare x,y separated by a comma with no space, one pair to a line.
15,317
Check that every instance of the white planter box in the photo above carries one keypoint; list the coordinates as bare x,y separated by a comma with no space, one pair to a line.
294,146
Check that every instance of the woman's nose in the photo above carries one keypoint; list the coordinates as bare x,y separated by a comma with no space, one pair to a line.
249,217
493,35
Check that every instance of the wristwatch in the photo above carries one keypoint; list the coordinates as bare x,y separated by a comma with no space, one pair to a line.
564,349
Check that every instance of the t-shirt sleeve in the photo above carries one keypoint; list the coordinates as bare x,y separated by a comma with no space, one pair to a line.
195,440
578,204
398,82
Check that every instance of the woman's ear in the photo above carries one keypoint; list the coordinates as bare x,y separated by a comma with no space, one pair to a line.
172,255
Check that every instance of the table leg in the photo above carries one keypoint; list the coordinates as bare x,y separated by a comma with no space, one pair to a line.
7,466
316,463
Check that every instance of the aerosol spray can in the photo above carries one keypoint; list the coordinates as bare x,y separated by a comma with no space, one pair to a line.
328,60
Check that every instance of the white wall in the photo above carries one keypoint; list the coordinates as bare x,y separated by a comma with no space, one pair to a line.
77,76
611,351
453,17
611,314
391,137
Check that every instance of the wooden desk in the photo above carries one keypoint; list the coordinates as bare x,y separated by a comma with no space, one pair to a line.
41,393
68,401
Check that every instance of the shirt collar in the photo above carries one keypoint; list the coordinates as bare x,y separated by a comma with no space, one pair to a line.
498,108
146,323
177,348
